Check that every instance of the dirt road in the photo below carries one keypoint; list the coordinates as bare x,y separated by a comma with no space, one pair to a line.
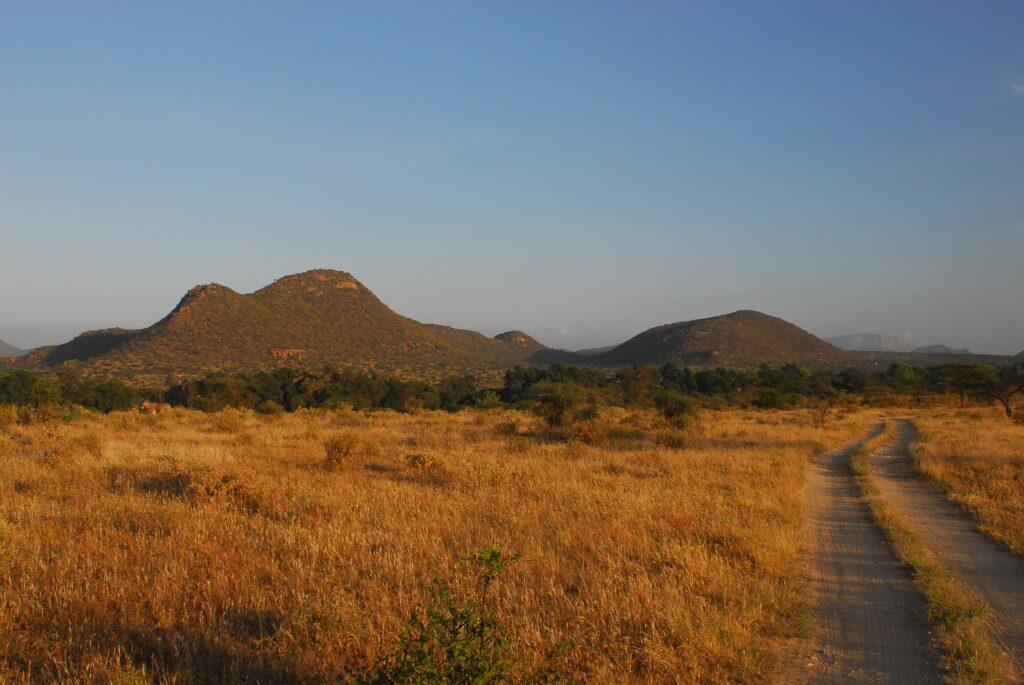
988,570
872,622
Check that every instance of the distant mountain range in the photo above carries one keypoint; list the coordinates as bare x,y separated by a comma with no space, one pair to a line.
8,350
326,317
872,342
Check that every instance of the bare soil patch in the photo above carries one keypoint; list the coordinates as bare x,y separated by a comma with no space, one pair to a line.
872,624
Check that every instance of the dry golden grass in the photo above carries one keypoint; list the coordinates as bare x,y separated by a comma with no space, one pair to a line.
977,456
186,547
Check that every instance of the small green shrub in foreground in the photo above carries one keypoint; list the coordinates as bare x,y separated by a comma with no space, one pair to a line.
456,639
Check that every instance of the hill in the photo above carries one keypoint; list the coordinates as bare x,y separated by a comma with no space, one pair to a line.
870,342
940,349
519,341
8,350
308,320
742,339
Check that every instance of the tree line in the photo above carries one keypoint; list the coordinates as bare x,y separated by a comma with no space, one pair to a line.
665,387
775,387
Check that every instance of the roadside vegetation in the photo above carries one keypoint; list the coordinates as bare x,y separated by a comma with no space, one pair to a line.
327,545
977,457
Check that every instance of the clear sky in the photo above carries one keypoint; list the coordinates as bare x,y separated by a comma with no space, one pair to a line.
580,171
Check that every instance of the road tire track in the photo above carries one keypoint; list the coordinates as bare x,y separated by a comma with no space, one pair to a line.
988,571
871,621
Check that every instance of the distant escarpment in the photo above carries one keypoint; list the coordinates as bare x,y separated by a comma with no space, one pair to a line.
871,342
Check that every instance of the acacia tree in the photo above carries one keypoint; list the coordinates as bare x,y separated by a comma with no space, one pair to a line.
820,385
995,382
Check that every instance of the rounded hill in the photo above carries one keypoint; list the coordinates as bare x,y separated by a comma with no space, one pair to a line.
742,339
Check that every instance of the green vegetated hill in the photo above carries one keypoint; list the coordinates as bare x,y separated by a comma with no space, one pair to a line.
520,341
8,350
743,339
306,320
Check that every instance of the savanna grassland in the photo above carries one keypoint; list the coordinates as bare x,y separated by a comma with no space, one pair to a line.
977,456
191,547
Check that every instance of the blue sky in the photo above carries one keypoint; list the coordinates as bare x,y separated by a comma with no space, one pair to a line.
580,171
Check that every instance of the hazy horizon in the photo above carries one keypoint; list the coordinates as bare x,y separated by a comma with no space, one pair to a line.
571,336
580,171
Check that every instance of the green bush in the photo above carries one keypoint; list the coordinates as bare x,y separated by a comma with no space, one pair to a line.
452,639
556,402
676,407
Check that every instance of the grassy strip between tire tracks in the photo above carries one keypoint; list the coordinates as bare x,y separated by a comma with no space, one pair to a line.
969,652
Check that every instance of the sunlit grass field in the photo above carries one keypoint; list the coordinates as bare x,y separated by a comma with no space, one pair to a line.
189,547
977,455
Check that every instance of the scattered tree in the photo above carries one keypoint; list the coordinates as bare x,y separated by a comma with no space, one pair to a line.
994,382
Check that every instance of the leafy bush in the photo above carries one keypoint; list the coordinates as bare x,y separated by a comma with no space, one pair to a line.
452,639
676,407
556,402
770,398
488,399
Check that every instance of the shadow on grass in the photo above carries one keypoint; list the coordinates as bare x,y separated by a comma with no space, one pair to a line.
185,656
